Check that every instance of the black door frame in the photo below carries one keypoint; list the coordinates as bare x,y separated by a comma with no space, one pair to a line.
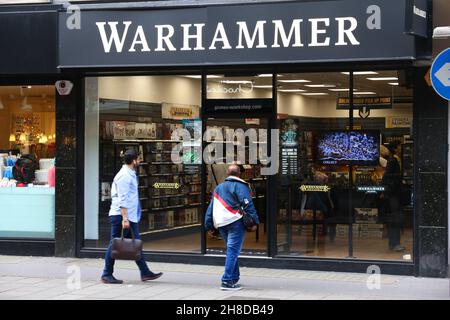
270,183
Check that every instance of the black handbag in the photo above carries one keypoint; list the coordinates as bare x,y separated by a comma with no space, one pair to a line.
126,249
247,219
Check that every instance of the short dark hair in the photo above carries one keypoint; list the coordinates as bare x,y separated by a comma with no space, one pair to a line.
129,156
393,145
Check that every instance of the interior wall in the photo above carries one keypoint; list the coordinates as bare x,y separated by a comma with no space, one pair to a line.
297,105
5,125
183,90
45,108
160,89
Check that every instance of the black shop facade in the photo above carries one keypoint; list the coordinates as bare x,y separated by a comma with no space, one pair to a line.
314,107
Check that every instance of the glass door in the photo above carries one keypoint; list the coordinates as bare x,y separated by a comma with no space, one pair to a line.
236,119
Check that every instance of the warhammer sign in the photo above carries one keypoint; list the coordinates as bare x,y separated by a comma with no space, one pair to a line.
238,34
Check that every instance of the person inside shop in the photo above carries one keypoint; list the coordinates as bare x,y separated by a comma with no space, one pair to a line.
322,201
223,214
125,213
391,196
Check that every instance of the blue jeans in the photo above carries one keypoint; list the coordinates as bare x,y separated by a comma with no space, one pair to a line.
116,232
233,235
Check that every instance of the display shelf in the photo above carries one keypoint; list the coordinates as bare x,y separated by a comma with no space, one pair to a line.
175,202
147,141
257,179
172,228
168,196
164,163
193,205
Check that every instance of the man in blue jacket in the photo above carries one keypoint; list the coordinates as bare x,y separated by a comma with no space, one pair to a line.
223,214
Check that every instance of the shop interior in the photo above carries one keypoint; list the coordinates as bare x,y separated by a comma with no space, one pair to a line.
142,111
27,157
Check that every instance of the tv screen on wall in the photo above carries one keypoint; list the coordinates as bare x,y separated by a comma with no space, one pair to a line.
348,147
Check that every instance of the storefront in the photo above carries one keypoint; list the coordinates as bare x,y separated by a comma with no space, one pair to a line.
325,102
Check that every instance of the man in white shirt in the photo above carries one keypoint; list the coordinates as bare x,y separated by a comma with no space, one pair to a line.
125,213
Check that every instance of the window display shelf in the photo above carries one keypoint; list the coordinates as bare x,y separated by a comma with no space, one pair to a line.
167,174
193,205
172,228
32,212
161,163
147,141
169,196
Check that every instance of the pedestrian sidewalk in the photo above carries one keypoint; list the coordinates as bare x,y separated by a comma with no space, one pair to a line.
57,279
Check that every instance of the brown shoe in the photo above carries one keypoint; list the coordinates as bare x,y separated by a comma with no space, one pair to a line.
111,280
153,276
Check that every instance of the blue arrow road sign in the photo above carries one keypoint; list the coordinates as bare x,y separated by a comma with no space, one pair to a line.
440,74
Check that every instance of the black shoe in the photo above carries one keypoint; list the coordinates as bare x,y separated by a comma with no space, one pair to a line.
111,280
152,276
230,286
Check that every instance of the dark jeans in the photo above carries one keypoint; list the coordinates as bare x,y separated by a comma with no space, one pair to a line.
233,235
394,219
394,236
116,232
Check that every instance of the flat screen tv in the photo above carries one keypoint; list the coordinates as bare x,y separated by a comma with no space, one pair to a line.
348,147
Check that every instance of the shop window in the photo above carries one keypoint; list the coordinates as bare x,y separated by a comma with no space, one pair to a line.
250,114
27,159
383,191
313,192
338,171
142,113
221,86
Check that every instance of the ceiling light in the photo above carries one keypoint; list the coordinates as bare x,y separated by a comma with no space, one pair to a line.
339,90
265,75
383,78
24,105
263,86
393,83
236,81
295,81
365,93
22,137
199,76
357,73
315,94
320,85
441,33
292,90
